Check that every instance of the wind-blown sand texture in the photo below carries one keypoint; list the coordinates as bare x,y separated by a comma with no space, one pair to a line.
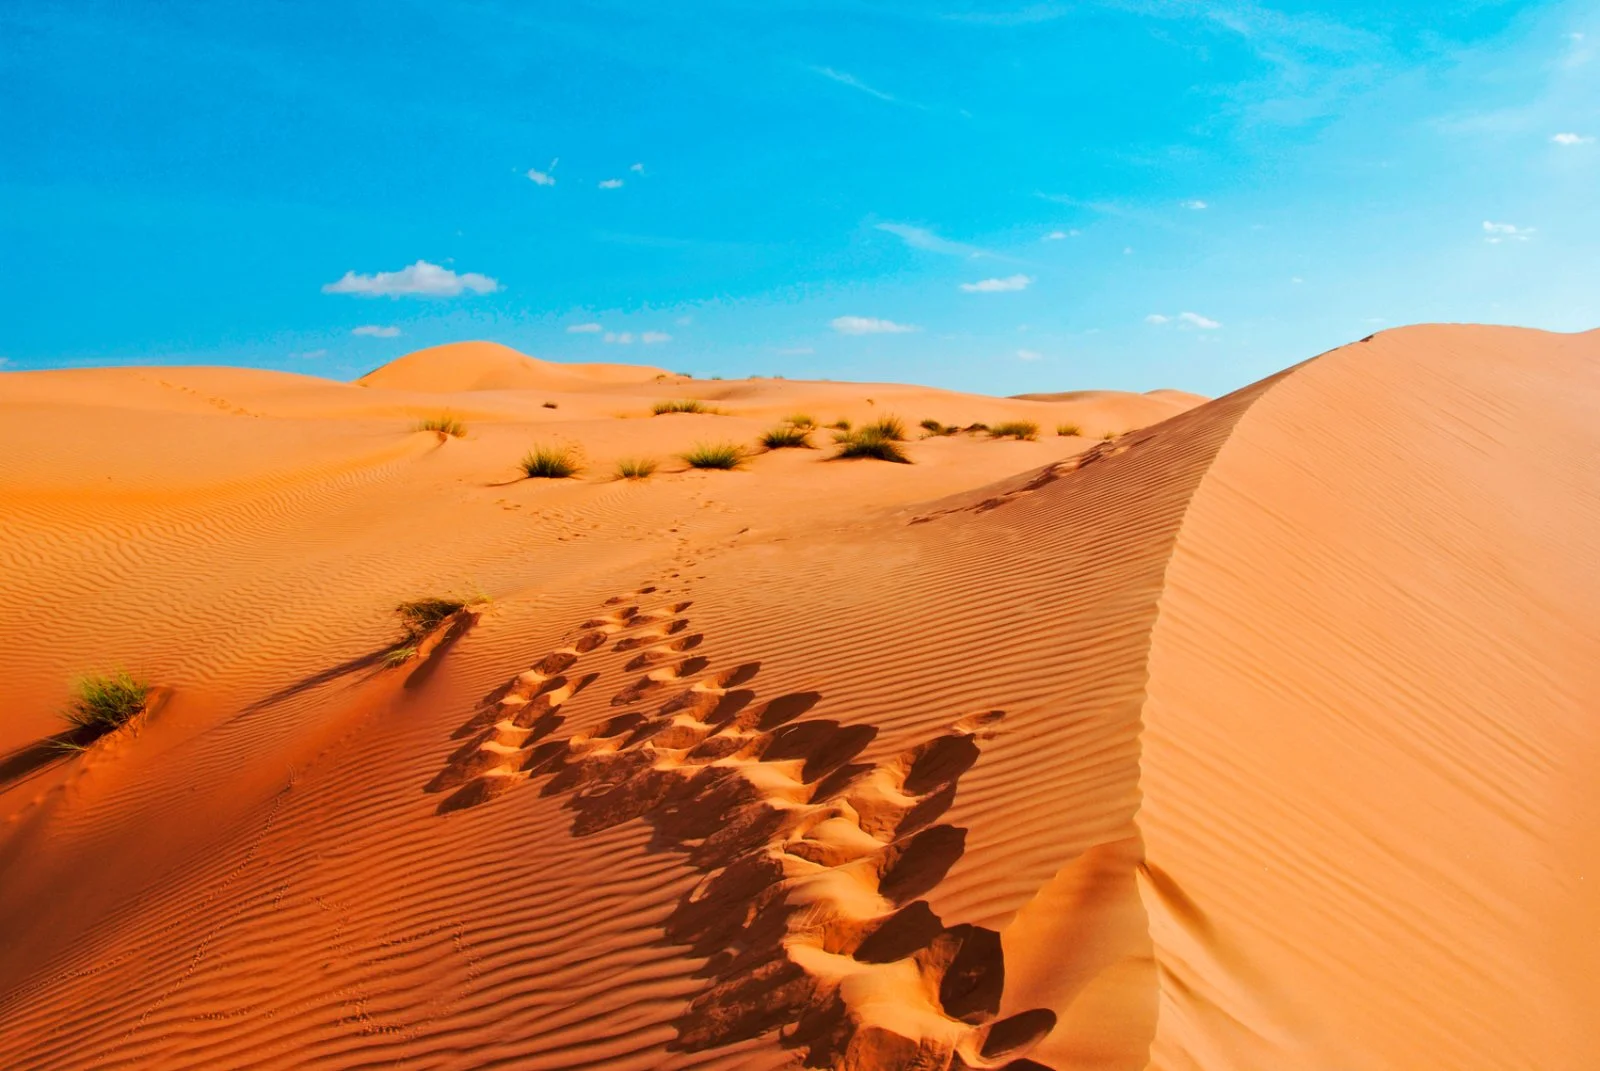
1261,735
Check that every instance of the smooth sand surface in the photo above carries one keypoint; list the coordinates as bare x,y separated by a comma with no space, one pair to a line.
1261,735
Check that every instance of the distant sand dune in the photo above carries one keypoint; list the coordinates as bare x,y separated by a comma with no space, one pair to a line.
1258,735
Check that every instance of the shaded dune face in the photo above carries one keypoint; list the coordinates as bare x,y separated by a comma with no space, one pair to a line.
1253,738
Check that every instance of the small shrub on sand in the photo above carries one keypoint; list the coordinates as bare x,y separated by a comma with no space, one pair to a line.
418,617
1108,436
934,428
550,463
400,656
1015,429
102,703
636,468
973,429
785,435
715,456
870,442
800,420
679,405
840,425
1068,430
444,424
889,427
551,405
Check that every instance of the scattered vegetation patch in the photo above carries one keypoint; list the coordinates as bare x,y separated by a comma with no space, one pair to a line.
1015,429
784,436
870,442
551,405
1067,430
636,468
890,427
445,424
840,425
550,463
103,703
973,429
800,420
933,428
715,456
679,405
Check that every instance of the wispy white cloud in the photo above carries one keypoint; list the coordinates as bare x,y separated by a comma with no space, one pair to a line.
376,331
1056,236
1156,318
619,338
1571,139
844,78
651,338
637,169
996,286
1196,205
684,321
1495,233
1029,355
416,280
547,176
584,329
869,325
611,184
925,239
1194,319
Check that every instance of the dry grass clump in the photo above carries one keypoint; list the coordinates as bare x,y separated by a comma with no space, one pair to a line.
446,425
888,427
870,442
636,468
785,436
550,463
1108,436
679,405
103,703
1015,429
800,420
418,617
934,428
715,456
1067,430
840,425
973,429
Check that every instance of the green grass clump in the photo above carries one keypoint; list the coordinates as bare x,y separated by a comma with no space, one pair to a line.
103,703
891,428
550,463
785,435
679,405
1015,429
445,424
418,617
715,456
1067,430
800,420
870,442
636,468
400,656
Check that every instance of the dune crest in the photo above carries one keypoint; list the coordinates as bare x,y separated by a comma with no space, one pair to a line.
479,366
1255,735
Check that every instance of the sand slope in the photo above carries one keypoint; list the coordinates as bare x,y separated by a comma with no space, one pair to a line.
1253,737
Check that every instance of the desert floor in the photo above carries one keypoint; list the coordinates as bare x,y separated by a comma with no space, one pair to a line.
1262,734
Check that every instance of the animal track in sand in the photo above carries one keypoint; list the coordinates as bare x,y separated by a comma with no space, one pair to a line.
810,914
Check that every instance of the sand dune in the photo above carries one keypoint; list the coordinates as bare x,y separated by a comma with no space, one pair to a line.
1254,736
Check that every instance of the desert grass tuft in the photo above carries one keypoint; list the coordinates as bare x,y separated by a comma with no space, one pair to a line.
103,703
447,425
870,442
715,456
785,436
934,428
1068,430
400,656
550,463
888,427
418,617
636,468
1108,436
679,405
800,420
840,425
551,405
1015,429
973,429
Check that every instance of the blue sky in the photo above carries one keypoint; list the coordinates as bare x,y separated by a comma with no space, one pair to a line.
991,197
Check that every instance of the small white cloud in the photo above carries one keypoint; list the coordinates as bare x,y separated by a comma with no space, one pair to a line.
1196,320
650,338
1571,139
1196,205
637,169
547,176
868,325
684,321
996,286
623,338
1056,236
420,279
376,331
1499,232
611,184
1029,355
1297,280
584,329
1156,318
1127,250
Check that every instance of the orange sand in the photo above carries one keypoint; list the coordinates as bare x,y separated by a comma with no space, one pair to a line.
1261,736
